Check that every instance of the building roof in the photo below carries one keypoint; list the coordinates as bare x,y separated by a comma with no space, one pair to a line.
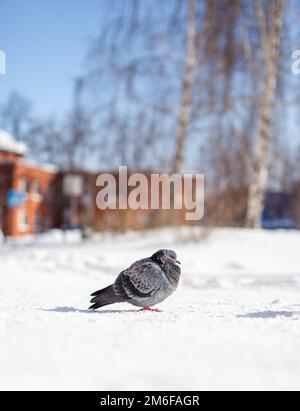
10,144
42,166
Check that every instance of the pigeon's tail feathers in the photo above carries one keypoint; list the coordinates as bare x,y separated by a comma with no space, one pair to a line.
100,291
103,297
94,307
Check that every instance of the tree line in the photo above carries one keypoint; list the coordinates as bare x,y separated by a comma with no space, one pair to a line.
183,85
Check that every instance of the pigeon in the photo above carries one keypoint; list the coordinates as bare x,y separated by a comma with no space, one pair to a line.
144,284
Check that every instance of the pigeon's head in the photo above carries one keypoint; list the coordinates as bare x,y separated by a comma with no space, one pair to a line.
163,257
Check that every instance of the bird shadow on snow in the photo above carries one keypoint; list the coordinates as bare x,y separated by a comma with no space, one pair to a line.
66,310
270,314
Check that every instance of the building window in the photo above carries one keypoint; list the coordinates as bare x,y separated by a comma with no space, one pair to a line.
143,219
111,220
1,186
48,223
50,193
37,191
23,221
37,222
25,185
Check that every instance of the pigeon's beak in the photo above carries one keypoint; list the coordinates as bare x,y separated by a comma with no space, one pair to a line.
178,262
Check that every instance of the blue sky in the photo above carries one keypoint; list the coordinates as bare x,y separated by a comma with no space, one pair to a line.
46,44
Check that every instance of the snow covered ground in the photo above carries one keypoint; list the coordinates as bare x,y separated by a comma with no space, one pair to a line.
234,322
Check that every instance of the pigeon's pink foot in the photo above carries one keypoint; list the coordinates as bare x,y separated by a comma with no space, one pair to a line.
155,310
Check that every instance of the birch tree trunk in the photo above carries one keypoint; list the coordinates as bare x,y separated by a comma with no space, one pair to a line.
186,102
271,43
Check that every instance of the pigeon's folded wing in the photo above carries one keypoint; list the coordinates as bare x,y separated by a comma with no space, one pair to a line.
141,280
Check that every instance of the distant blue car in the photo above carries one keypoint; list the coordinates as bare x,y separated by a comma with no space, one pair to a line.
278,212
284,223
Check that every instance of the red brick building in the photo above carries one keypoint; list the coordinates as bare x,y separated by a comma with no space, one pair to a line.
27,191
35,198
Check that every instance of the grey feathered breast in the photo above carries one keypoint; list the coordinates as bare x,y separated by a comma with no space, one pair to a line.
143,279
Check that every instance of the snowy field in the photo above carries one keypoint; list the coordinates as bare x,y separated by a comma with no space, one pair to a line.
234,322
